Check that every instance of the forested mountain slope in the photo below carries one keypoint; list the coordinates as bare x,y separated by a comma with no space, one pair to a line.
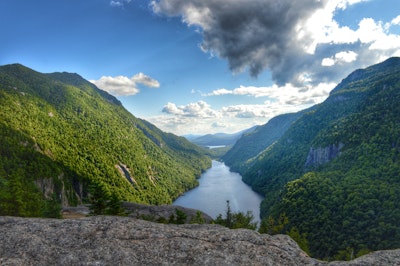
243,154
334,176
59,134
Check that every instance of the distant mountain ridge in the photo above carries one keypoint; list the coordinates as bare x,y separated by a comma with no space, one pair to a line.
218,139
60,134
333,176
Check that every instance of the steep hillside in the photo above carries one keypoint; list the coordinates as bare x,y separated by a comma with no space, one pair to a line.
241,156
59,134
344,158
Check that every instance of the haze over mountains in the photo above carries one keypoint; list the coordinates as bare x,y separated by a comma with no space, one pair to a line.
218,139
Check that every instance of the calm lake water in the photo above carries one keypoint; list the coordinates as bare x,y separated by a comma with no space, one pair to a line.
217,185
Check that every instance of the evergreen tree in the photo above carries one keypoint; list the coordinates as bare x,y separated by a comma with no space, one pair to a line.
98,198
114,206
198,219
236,220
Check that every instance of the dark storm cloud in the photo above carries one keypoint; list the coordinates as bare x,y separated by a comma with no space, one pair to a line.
278,35
253,35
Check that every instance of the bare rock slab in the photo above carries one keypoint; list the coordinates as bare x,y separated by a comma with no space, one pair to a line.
104,240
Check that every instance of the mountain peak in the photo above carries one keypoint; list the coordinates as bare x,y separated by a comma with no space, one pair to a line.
16,69
78,81
372,72
18,72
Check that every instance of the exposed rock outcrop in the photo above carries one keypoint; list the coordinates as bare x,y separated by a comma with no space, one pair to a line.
163,212
320,156
143,212
126,241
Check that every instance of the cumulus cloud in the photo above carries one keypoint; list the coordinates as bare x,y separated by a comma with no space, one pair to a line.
396,20
198,109
242,90
201,117
124,86
233,118
328,61
341,57
181,125
247,111
284,95
289,38
145,80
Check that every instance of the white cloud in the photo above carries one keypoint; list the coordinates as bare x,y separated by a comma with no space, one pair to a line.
119,3
145,80
116,3
328,62
377,35
343,4
346,56
287,94
219,92
182,125
198,109
323,29
242,90
118,86
396,20
171,108
247,111
369,30
341,57
200,117
124,86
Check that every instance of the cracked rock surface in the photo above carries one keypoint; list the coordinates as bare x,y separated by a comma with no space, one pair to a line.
104,240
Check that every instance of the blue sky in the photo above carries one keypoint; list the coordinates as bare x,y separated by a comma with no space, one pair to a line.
203,66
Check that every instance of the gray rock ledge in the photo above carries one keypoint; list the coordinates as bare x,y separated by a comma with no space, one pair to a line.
104,240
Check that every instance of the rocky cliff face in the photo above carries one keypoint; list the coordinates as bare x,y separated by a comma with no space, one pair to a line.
126,241
320,156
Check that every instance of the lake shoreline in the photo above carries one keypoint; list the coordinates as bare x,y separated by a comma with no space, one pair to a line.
217,186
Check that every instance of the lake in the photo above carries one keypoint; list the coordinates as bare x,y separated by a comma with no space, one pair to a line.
217,185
